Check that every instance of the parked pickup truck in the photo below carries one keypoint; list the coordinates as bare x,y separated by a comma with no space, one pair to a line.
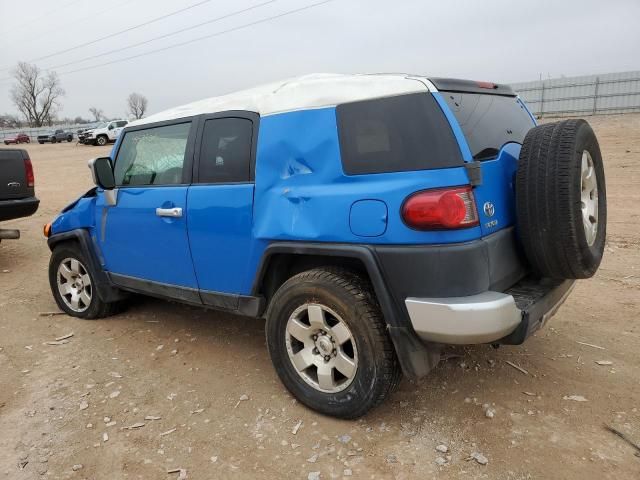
17,193
55,136
103,133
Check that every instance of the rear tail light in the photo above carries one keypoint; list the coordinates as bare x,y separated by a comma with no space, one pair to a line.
28,170
446,208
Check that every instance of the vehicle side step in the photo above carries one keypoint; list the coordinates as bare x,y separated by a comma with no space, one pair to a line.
6,234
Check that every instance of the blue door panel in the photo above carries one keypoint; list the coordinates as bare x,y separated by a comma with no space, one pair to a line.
138,243
220,234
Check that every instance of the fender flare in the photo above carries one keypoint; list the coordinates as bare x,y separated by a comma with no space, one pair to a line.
416,358
106,290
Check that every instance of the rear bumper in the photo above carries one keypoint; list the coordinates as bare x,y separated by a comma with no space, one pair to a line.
10,209
490,316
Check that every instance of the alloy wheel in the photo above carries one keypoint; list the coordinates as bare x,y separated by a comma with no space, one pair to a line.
589,198
74,284
321,348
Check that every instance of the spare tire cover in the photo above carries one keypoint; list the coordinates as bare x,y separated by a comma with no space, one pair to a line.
561,200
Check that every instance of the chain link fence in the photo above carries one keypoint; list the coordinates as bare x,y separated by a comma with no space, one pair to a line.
34,132
587,95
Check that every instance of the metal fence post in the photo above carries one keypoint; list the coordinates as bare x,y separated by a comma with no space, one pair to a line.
542,100
595,96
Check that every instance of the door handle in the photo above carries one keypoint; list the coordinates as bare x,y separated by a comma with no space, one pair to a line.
169,212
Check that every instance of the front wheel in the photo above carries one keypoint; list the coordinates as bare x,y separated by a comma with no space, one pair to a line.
73,284
101,140
328,342
69,139
53,140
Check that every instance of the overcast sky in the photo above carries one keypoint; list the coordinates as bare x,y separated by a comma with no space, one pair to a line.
497,40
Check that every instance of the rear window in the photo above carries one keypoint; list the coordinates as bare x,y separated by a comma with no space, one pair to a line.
489,121
395,134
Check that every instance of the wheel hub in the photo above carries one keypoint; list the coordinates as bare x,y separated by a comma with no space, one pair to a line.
324,344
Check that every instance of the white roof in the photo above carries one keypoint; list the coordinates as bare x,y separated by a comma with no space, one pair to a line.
301,93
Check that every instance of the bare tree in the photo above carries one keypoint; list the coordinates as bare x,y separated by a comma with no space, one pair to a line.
10,121
36,94
97,113
137,104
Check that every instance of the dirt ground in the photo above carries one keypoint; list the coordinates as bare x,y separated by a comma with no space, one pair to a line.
165,386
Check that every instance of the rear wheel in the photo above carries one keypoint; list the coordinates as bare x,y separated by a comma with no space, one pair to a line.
73,284
328,342
561,200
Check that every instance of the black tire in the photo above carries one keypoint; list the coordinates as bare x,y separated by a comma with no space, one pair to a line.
351,297
96,308
101,140
549,202
69,139
53,140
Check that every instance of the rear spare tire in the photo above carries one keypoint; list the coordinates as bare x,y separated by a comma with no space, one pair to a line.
561,200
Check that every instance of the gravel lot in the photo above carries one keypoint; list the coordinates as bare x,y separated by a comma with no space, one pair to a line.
164,386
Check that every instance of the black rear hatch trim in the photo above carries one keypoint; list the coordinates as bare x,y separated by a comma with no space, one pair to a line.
471,86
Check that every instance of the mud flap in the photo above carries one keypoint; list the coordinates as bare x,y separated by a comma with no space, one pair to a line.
416,358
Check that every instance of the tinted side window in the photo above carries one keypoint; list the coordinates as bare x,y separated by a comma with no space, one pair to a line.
396,134
154,156
225,153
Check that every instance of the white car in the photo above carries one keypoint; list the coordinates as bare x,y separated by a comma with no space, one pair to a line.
104,133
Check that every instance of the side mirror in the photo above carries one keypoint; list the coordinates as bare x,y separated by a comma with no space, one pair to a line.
102,173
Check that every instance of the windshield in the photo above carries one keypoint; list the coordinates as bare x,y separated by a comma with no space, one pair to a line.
489,121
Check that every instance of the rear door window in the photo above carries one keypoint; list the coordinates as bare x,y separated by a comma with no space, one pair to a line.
489,121
396,134
225,152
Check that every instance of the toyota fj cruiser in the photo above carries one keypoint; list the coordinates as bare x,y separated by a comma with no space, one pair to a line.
370,219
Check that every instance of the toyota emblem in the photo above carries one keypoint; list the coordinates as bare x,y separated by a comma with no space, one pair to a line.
489,209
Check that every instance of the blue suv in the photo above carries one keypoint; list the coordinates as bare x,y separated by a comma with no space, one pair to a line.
370,219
